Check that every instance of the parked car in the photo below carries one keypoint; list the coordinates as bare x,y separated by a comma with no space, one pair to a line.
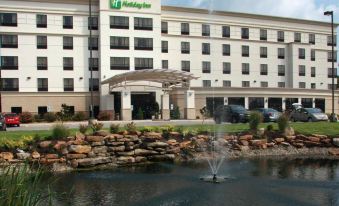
269,114
231,113
2,123
12,119
308,115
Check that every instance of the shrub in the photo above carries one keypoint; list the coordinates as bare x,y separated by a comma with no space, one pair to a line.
65,113
166,130
37,118
26,117
131,127
147,129
114,128
60,131
283,123
80,116
175,114
50,117
97,126
140,114
83,128
105,116
255,119
269,128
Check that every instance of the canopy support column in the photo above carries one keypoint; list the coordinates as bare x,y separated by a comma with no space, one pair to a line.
190,105
126,110
165,110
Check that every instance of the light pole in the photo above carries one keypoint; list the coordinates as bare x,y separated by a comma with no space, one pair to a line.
91,58
330,13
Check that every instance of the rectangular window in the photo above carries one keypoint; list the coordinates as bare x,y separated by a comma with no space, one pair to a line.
143,63
226,49
281,36
263,69
329,40
313,71
263,84
206,83
226,68
120,63
41,42
119,22
297,37
164,27
311,38
165,64
143,44
118,42
93,23
330,56
42,110
68,63
68,84
205,30
9,41
302,85
245,51
16,110
263,52
42,84
245,34
313,86
206,48
8,19
332,72
302,70
68,22
226,31
93,43
245,69
42,63
9,63
185,29
312,55
10,84
281,84
245,84
206,67
185,47
263,34
68,42
281,53
281,70
226,83
186,66
93,64
301,53
164,46
95,82
143,23
41,21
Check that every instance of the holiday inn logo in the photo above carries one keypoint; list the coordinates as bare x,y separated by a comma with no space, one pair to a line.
118,4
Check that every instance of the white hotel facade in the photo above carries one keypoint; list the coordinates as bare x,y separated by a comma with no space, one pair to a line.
252,60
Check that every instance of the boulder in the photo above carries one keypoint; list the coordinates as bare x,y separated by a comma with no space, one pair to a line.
7,156
94,144
165,157
279,140
157,144
23,155
334,151
116,149
79,149
79,136
244,142
75,156
139,159
99,149
144,152
247,137
172,142
51,156
45,144
95,138
336,141
102,133
125,160
130,153
35,155
89,162
313,139
185,144
115,143
59,145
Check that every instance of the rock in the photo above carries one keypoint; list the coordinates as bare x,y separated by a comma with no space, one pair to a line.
78,142
75,156
334,151
130,153
243,148
313,139
60,145
133,138
91,154
60,168
185,144
45,144
301,137
336,141
166,157
140,159
152,136
312,144
279,140
222,142
174,135
319,136
35,155
144,152
229,137
23,155
74,163
261,131
88,162
290,138
172,142
79,149
7,156
258,142
102,133
298,145
116,149
247,137
125,160
115,143
95,138
79,136
100,149
285,144
94,144
174,150
271,144
51,156
244,142
157,144
114,137
123,132
289,131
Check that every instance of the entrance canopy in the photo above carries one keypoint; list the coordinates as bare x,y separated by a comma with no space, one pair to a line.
167,77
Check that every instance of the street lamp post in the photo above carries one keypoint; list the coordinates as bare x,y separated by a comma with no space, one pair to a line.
330,13
91,58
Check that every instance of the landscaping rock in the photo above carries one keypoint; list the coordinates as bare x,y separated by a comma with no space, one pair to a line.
130,153
125,160
246,137
75,156
166,157
51,156
133,138
258,142
116,149
74,163
89,162
35,155
157,144
244,142
79,149
279,140
115,143
172,142
95,138
102,133
336,141
152,136
60,145
23,155
140,159
100,149
144,152
7,156
334,151
45,144
94,144
185,144
313,139
79,136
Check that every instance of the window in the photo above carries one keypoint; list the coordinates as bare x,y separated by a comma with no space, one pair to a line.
68,42
330,56
329,40
281,53
297,37
332,72
9,63
165,64
206,83
8,19
263,84
143,23
120,63
312,55
143,43
68,63
245,51
95,83
281,84
164,46
313,71
185,47
281,70
186,66
185,29
263,69
311,38
245,33
302,70
68,22
143,63
206,48
9,41
118,42
313,86
245,69
10,84
42,63
301,53
281,36
42,84
226,31
226,49
42,110
226,83
164,27
41,42
263,52
263,34
16,110
119,22
41,21
226,68
93,64
245,84
93,23
302,85
206,67
93,43
68,84
205,30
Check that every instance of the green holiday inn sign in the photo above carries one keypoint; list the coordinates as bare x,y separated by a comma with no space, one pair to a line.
118,4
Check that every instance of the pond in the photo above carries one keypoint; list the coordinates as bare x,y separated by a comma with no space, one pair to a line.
254,182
